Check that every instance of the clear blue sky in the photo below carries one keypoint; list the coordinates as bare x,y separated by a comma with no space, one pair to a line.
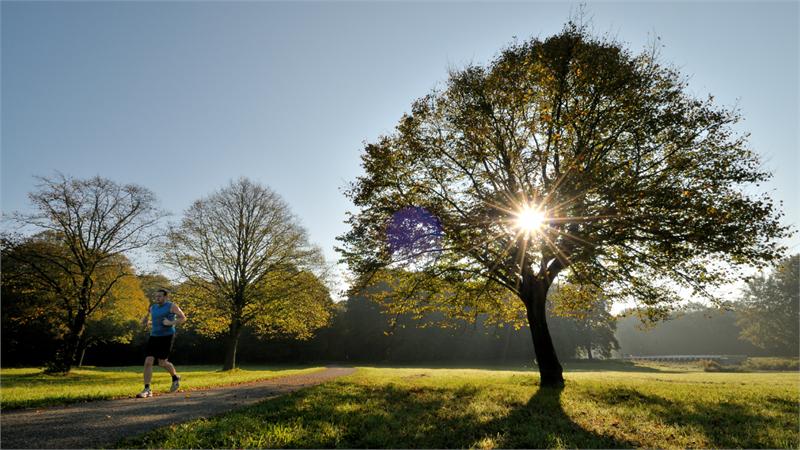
182,97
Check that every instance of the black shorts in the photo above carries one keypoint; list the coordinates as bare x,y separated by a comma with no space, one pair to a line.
159,346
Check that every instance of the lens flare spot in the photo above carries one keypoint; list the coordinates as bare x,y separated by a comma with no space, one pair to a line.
530,219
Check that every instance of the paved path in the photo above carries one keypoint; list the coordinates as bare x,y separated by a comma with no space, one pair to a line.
103,423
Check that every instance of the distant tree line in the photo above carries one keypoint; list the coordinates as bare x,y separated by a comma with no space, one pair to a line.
763,321
360,331
696,330
255,291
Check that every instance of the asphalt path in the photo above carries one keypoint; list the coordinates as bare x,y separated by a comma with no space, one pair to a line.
102,423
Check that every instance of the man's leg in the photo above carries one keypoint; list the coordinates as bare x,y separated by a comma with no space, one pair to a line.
176,380
148,370
148,374
168,366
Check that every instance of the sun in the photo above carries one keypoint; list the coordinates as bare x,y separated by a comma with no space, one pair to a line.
530,220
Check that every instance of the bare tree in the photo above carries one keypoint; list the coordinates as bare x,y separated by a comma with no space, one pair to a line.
237,249
91,223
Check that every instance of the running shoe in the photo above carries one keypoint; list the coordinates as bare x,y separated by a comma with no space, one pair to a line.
175,385
145,393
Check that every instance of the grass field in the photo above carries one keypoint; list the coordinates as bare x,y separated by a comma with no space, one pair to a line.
22,388
612,405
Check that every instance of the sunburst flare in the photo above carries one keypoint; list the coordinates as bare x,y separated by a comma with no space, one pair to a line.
530,220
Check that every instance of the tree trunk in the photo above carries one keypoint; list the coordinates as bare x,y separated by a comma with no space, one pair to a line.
67,355
231,342
589,349
534,295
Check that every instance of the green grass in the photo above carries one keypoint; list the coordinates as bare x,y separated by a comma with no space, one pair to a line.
22,388
620,405
752,364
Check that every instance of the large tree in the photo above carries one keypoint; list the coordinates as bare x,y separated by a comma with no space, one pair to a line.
246,261
769,309
566,156
85,228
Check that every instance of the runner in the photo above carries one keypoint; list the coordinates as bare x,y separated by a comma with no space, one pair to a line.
165,315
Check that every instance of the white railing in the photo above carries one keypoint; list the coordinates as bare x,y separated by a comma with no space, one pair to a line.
718,358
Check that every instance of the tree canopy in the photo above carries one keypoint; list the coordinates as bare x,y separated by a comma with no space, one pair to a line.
246,261
564,155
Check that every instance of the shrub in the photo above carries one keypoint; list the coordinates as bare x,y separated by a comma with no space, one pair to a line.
709,365
771,364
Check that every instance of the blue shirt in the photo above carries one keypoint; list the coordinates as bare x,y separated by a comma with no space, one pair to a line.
159,313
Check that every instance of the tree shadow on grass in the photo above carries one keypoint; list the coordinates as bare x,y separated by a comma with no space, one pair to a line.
543,423
354,415
725,424
361,416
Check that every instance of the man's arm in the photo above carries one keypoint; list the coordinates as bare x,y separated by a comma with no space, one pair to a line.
180,317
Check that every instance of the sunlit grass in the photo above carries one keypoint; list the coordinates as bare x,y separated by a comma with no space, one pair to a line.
30,387
455,408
